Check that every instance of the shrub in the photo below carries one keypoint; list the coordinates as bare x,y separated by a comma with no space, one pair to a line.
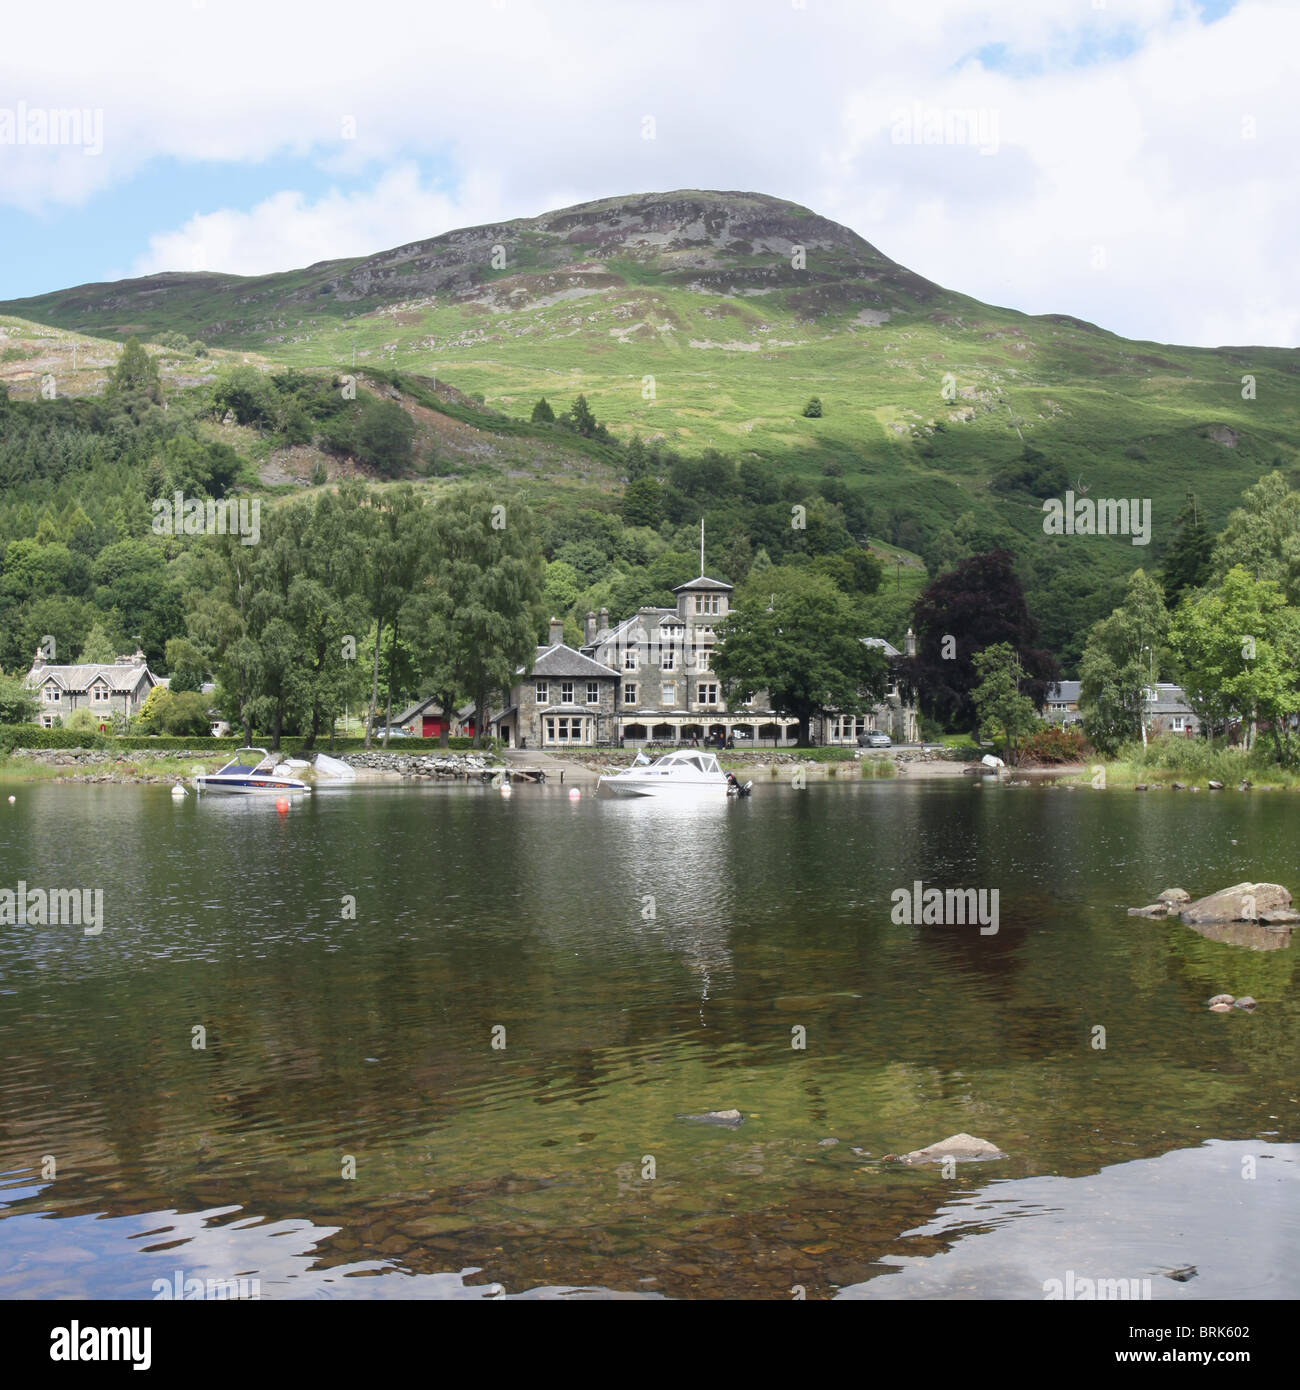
813,410
1055,744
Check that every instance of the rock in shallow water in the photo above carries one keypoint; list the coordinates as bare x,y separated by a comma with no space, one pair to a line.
960,1146
1243,902
717,1117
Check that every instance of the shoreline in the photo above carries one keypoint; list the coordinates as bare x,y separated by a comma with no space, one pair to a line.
97,767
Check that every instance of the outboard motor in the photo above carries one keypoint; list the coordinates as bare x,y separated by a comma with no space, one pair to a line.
735,789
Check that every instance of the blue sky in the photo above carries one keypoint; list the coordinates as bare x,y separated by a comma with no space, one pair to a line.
1133,168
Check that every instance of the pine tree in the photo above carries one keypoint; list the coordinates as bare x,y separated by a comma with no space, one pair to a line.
542,413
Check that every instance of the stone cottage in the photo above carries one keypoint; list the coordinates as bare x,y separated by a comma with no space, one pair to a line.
120,688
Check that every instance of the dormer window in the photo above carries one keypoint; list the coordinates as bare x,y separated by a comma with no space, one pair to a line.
53,694
99,693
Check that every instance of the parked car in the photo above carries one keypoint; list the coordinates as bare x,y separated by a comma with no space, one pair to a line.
393,733
741,734
874,739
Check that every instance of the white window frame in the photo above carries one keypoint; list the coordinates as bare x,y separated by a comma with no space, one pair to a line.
566,692
543,692
629,699
630,659
668,694
711,698
668,659
98,698
53,695
593,692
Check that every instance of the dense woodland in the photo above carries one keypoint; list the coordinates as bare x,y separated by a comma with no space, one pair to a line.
416,582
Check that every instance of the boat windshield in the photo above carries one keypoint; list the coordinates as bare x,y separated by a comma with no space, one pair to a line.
239,768
695,762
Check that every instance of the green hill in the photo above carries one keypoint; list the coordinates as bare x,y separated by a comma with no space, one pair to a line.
709,319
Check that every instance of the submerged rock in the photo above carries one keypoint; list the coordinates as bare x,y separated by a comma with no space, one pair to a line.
1175,896
1221,999
733,1118
1245,1002
959,1146
1151,910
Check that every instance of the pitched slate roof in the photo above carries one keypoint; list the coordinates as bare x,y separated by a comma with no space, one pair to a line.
888,648
121,679
1063,692
704,582
560,660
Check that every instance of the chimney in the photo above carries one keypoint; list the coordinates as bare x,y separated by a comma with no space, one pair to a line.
39,660
909,643
590,633
138,659
556,635
604,620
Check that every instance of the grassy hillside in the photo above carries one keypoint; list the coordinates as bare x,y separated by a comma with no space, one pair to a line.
698,292
709,319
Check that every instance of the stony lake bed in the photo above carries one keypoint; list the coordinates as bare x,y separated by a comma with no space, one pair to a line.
460,1045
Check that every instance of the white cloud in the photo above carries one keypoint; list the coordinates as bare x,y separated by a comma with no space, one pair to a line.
287,231
537,104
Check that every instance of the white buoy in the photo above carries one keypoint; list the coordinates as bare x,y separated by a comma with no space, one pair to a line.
178,791
12,799
574,794
506,789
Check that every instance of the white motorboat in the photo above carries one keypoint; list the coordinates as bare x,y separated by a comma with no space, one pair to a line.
684,772
258,776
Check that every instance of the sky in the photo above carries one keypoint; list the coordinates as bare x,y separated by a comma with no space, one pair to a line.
1131,162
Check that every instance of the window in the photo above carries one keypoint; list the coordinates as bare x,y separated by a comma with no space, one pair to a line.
708,695
704,659
593,692
669,659
52,694
563,729
668,693
629,693
706,603
1179,723
543,692
566,692
629,659
99,693
47,721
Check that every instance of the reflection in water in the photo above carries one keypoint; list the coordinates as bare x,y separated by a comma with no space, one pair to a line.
638,962
1224,1219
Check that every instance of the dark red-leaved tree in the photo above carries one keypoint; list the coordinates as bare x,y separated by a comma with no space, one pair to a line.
960,613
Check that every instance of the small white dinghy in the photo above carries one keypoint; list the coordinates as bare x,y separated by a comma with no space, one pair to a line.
334,769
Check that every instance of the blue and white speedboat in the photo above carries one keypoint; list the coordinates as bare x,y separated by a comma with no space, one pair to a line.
260,775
